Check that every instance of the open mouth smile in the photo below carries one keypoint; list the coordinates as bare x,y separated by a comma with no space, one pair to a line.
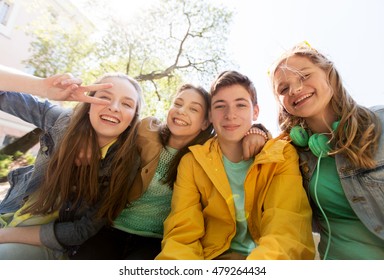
180,122
302,98
110,119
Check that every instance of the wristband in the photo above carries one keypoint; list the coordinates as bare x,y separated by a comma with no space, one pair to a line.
256,130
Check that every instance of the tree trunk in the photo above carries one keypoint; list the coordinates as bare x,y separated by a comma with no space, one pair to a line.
23,144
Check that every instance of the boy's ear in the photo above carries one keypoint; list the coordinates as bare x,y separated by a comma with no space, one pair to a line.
255,112
205,125
210,116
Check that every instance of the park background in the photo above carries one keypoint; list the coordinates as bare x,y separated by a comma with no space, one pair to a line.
349,32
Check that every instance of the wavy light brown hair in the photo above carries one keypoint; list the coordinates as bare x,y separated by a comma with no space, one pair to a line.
62,174
359,130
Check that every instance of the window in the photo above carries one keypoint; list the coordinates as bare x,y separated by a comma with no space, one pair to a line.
8,139
5,10
8,12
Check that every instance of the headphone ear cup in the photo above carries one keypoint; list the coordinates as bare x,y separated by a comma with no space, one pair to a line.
299,136
319,146
335,125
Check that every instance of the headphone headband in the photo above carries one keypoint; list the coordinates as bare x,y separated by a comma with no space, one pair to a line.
317,143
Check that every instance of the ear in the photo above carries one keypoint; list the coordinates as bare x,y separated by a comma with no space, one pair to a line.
210,116
205,124
255,112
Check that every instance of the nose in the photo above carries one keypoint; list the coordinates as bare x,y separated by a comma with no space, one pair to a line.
181,110
230,113
296,87
114,106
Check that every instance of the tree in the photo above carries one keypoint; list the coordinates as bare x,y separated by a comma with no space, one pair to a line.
22,144
58,50
14,154
173,41
58,44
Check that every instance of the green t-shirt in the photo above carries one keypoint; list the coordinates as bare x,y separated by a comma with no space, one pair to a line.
145,216
350,239
242,242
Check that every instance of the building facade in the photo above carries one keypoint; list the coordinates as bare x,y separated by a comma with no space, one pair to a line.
16,17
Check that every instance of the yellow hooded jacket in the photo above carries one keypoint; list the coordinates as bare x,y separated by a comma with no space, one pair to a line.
202,221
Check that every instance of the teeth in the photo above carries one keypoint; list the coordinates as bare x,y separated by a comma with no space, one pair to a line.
180,122
302,98
110,119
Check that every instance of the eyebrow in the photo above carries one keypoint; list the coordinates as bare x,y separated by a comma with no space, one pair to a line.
193,102
111,93
104,91
295,70
303,69
237,99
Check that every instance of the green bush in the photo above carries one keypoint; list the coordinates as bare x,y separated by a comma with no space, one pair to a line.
5,162
8,162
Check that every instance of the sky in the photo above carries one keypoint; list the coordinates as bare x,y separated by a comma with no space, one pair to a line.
349,32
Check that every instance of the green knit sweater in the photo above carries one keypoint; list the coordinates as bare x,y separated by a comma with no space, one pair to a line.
145,216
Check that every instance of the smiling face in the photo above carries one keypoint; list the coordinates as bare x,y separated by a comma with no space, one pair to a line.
186,117
303,89
232,113
111,120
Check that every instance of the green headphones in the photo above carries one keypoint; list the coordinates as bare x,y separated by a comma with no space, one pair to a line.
317,143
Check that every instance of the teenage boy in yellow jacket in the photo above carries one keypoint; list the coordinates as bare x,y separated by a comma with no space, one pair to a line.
224,207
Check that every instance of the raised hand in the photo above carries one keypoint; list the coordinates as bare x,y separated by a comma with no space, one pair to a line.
65,87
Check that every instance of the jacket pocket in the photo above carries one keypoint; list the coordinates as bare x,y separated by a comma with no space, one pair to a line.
18,189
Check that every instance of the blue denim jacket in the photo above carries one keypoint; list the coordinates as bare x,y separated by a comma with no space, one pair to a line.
73,227
51,119
363,188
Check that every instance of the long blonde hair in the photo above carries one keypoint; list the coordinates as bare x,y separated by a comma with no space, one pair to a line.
359,130
64,181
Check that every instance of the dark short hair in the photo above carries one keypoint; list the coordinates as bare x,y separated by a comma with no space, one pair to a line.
230,78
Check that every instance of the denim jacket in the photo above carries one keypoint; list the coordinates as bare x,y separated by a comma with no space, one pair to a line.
51,119
363,188
72,227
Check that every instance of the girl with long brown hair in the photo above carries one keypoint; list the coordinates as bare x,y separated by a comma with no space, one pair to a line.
66,204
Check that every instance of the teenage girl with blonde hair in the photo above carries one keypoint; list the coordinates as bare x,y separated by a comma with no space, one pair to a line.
341,148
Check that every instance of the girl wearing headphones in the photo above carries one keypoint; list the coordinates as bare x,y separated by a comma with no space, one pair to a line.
341,148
